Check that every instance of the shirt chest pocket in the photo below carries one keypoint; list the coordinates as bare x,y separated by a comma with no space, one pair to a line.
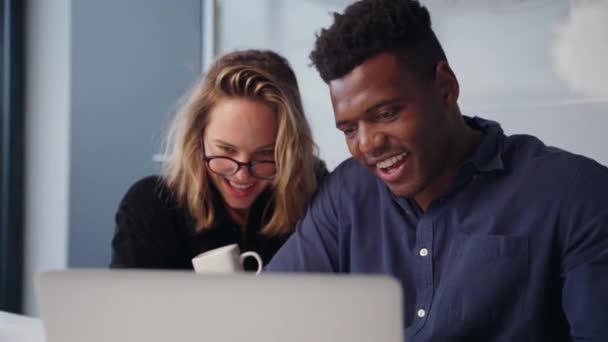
488,248
484,276
487,259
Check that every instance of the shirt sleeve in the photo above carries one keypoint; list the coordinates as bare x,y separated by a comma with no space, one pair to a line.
585,256
314,245
143,236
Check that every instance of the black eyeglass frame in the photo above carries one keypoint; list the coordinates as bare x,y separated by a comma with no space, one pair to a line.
239,164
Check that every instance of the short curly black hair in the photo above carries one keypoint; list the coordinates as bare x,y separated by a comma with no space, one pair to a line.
370,27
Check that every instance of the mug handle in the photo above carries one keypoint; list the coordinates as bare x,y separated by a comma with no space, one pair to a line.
257,258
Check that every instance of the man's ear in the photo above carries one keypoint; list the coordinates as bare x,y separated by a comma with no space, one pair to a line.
446,83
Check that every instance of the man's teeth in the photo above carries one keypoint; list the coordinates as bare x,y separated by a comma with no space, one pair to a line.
240,186
391,161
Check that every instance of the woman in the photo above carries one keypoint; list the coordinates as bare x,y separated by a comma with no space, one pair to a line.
240,168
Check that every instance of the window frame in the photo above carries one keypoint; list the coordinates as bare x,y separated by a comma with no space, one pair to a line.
12,54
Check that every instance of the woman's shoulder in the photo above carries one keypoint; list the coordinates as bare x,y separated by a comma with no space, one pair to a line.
149,203
149,192
320,170
149,227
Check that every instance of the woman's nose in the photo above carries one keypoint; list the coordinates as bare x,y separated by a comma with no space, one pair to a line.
243,173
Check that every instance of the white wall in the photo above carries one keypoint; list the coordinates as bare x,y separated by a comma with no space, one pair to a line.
521,63
102,80
503,52
47,140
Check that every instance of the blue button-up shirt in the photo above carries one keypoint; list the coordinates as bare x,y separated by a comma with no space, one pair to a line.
517,251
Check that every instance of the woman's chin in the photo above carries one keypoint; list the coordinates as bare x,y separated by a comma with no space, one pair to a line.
239,204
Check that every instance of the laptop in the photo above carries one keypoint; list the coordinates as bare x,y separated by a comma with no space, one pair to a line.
159,306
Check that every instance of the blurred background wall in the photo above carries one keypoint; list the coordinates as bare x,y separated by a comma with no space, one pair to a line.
103,78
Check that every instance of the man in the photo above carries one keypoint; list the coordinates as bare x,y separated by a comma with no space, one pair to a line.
493,238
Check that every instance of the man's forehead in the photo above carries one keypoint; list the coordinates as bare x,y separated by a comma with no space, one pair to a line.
348,95
379,70
374,80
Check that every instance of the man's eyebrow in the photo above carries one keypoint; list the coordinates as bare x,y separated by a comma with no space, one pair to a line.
375,107
381,104
342,123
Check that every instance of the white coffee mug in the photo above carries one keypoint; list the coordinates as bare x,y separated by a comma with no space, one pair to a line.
227,259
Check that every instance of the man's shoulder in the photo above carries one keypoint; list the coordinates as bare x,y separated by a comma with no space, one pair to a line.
352,172
531,156
350,167
353,179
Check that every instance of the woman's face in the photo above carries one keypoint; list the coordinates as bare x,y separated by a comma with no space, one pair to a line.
244,130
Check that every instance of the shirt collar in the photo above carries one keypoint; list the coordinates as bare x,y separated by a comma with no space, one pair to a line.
486,158
488,155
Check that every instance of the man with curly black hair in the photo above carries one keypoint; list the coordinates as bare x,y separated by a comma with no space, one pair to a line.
493,237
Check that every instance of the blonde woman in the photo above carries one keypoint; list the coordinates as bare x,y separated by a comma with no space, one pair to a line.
240,168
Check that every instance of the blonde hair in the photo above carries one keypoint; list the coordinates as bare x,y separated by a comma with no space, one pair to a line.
259,75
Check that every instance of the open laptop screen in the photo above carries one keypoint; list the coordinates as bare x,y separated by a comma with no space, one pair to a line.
155,306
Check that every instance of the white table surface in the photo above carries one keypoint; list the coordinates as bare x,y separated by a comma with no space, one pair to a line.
18,328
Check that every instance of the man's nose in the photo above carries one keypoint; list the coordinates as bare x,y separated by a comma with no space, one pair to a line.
371,140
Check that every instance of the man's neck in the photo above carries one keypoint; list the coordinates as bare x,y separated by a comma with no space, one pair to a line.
470,140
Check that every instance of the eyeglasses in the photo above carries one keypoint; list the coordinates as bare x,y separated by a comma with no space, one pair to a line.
226,166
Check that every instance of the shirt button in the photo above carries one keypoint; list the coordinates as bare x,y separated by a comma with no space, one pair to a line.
423,252
421,313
